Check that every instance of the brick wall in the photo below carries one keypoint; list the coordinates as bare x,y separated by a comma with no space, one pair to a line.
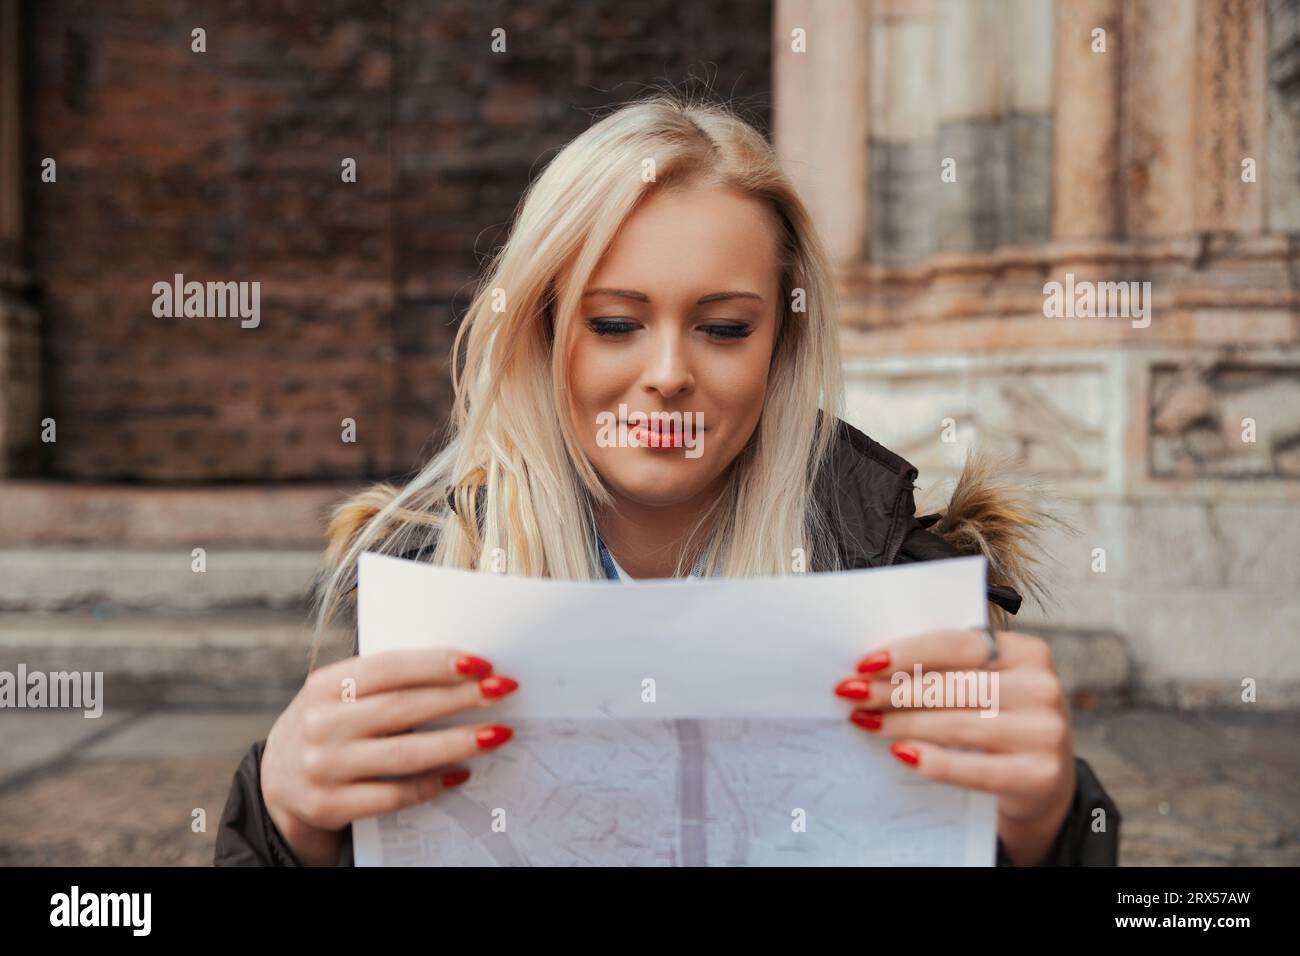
225,166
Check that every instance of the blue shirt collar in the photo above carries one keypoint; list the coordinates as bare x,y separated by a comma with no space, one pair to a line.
611,572
606,562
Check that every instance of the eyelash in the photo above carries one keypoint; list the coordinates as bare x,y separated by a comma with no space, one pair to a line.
622,327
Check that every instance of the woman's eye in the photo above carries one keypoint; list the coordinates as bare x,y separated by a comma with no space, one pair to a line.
611,326
729,330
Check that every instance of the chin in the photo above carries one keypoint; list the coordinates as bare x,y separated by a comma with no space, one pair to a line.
658,490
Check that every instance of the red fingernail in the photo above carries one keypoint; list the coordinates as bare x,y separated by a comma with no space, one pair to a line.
905,753
493,735
454,778
874,662
854,689
494,687
473,666
867,719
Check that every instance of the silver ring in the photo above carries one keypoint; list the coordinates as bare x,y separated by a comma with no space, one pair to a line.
990,639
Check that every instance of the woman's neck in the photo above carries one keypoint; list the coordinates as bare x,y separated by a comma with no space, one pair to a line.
647,541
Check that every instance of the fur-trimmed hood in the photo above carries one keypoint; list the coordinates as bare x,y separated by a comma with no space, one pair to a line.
868,493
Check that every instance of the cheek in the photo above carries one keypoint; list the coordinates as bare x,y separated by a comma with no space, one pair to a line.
741,385
597,377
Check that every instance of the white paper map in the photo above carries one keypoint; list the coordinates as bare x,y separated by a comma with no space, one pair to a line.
676,722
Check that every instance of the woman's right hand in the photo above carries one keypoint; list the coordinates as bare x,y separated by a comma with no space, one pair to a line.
326,753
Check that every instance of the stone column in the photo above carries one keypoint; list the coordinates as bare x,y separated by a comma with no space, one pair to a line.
1028,122
904,125
1086,137
970,86
822,116
1231,105
19,339
1159,148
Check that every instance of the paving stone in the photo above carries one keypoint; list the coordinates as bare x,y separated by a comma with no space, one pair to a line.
116,813
32,737
167,736
1194,789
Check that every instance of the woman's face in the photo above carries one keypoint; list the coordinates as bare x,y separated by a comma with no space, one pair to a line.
680,316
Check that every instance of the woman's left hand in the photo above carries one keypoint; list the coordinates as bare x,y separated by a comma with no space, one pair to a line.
1018,738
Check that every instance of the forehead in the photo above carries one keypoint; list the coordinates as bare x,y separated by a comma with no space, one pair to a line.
677,239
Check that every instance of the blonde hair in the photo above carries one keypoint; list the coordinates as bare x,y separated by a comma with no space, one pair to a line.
512,465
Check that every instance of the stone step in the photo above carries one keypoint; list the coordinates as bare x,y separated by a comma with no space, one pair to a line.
230,658
1095,667
65,578
40,512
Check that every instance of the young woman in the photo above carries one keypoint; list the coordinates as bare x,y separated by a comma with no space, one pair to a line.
662,263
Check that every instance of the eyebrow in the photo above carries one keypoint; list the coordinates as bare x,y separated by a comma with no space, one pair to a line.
642,297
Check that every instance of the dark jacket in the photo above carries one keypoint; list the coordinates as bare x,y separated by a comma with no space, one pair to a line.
867,494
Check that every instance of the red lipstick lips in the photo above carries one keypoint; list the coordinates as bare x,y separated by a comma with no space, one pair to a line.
657,435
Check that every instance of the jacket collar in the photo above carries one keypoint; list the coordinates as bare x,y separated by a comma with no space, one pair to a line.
867,493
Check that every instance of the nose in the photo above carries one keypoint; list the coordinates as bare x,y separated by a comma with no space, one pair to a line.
668,371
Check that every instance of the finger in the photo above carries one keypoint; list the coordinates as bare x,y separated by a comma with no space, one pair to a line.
1008,774
980,690
395,711
1006,732
374,797
992,773
955,650
406,754
389,670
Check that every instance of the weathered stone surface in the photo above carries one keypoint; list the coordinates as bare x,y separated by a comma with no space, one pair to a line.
823,116
57,578
117,813
222,659
1195,648
1211,789
35,737
1052,418
35,513
1087,121
1231,106
1200,589
904,108
970,59
1283,119
1093,667
967,85
1199,420
1031,54
1158,144
904,180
